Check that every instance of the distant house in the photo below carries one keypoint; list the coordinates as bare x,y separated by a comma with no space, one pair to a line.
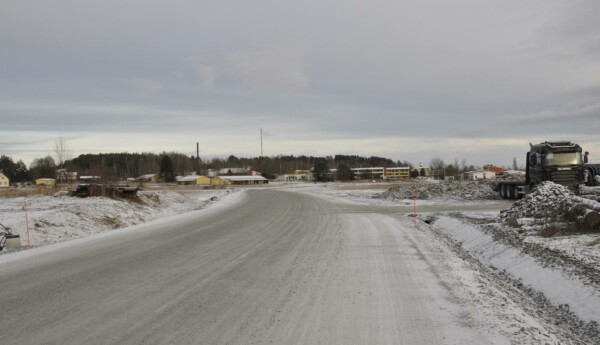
4,181
494,169
89,179
46,182
62,175
296,175
245,180
194,180
148,178
480,175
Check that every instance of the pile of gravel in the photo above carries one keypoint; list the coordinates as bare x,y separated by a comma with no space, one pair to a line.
553,209
449,190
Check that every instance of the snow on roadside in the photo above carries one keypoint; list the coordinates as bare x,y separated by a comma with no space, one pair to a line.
582,299
58,219
484,301
446,190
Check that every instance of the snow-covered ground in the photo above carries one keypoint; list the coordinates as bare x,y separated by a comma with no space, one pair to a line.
57,219
556,277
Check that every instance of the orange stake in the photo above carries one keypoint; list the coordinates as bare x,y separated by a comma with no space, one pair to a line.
27,222
415,205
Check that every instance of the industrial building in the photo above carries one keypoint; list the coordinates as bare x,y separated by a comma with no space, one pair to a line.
245,180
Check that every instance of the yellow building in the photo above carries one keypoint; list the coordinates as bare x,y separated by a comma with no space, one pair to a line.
396,173
217,181
48,182
203,180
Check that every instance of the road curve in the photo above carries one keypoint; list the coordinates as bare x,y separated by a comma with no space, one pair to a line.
277,267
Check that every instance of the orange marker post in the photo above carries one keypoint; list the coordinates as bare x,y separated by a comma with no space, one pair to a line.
415,205
26,221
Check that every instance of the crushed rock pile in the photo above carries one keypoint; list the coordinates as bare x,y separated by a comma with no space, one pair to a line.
552,209
449,190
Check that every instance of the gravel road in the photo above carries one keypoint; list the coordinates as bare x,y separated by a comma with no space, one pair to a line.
276,267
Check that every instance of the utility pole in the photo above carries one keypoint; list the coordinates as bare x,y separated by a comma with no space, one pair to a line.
261,143
197,158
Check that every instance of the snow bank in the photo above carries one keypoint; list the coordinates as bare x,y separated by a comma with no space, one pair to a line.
450,190
62,218
582,299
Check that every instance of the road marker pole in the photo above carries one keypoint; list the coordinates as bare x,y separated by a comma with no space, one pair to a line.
26,221
415,205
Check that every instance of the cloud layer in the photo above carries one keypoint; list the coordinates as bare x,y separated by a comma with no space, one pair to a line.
410,80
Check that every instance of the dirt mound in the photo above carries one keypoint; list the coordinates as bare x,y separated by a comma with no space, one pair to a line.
552,209
449,190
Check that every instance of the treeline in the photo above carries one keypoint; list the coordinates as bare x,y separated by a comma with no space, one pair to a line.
120,166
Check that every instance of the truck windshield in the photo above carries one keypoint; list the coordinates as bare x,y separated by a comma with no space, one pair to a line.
563,158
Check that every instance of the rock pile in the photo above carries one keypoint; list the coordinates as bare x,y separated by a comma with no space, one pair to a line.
552,209
448,190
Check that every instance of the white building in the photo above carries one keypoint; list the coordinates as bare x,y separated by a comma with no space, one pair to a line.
481,175
4,182
298,175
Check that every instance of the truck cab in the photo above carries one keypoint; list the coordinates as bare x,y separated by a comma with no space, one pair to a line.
559,162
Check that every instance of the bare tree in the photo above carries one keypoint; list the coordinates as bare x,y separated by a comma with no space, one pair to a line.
437,167
61,150
514,165
463,165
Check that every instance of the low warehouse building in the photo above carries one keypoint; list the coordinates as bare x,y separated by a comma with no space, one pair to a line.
480,175
245,180
194,180
48,182
218,181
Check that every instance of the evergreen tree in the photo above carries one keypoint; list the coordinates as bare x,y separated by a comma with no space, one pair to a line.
344,173
166,169
320,169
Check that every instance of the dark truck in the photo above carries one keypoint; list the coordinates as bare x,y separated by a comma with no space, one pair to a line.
561,162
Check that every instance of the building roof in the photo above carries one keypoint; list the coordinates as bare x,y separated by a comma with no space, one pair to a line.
243,178
148,176
188,178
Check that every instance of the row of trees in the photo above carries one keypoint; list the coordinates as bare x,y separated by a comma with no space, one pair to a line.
18,172
120,166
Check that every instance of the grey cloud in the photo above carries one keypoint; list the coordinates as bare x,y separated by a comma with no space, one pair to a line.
317,70
275,69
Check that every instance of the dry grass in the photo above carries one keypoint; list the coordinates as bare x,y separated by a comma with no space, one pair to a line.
594,242
550,230
111,222
513,222
19,192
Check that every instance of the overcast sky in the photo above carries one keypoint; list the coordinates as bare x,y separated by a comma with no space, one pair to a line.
409,80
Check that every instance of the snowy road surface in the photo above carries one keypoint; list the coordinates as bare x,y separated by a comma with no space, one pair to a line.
275,267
